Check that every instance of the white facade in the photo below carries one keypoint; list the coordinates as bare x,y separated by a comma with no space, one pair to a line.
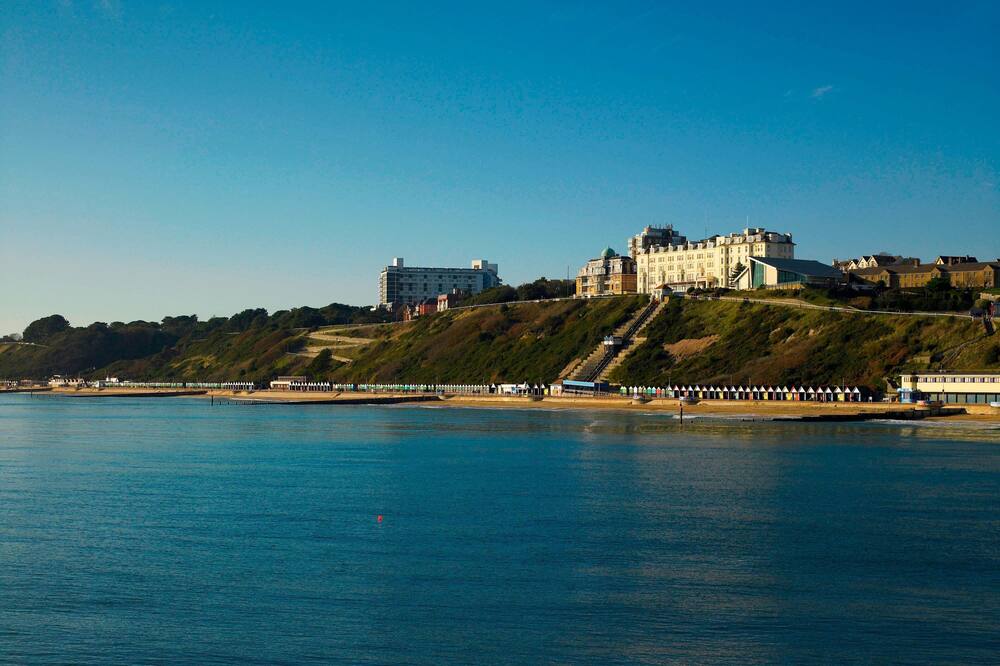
408,285
709,262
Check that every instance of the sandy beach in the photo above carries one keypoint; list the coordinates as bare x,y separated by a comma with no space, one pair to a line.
720,408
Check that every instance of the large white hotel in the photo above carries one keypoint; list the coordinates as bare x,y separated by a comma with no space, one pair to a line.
408,285
663,257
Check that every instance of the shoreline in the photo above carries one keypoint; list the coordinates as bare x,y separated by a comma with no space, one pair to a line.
787,411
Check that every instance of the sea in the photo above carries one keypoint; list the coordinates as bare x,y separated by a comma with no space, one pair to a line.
165,531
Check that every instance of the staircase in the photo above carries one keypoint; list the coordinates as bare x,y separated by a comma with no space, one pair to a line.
600,362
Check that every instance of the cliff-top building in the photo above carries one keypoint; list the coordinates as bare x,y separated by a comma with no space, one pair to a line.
874,261
610,273
654,236
705,263
962,274
408,285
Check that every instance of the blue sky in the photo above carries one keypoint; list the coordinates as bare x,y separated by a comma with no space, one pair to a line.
171,158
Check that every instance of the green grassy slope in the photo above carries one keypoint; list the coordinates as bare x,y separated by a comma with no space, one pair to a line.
724,342
524,342
689,342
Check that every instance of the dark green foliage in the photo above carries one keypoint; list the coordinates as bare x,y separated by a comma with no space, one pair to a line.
938,284
250,344
501,294
937,297
540,289
42,329
321,365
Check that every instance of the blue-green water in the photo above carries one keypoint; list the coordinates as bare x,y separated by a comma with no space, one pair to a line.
170,531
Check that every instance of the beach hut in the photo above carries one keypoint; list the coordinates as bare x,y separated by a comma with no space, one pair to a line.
855,394
802,393
838,394
811,394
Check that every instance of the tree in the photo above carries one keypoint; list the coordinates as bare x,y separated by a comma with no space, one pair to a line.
735,273
44,328
938,284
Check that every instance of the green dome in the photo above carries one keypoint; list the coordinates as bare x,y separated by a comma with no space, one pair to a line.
607,253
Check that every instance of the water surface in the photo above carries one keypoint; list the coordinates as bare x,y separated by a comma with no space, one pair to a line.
137,531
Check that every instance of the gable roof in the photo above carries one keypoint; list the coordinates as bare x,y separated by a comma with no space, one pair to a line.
926,268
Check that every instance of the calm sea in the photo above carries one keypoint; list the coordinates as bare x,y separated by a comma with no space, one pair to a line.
173,531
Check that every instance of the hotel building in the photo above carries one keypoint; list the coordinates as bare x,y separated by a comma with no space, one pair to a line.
610,273
408,285
705,263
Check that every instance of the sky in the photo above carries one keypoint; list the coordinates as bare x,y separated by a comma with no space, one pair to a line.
167,158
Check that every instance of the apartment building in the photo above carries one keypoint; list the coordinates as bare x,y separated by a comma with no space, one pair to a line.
408,285
707,263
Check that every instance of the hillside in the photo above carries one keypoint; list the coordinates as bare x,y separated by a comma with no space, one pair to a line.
251,344
519,342
689,342
726,342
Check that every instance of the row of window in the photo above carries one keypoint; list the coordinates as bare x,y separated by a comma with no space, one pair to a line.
966,398
937,379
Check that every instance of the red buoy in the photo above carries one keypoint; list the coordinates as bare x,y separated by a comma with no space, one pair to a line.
379,518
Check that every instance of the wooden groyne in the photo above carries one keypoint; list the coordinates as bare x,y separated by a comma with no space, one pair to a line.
365,400
130,394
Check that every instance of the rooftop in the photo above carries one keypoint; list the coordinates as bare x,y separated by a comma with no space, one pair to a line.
801,266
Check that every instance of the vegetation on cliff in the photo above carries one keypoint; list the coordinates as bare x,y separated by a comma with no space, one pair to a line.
250,344
739,343
531,342
691,341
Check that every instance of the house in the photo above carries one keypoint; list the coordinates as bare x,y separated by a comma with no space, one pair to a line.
777,273
874,261
960,274
427,306
949,260
449,300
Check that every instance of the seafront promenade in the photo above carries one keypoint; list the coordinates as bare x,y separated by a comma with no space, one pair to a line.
741,409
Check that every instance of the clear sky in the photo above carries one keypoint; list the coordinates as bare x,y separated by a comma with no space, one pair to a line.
163,158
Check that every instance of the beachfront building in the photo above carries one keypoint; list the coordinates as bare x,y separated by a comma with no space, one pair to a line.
773,273
286,383
608,274
965,387
711,262
408,285
964,274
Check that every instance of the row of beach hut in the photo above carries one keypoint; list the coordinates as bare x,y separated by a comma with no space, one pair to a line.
778,393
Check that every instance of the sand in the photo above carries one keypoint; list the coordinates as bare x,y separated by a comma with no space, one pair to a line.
721,408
